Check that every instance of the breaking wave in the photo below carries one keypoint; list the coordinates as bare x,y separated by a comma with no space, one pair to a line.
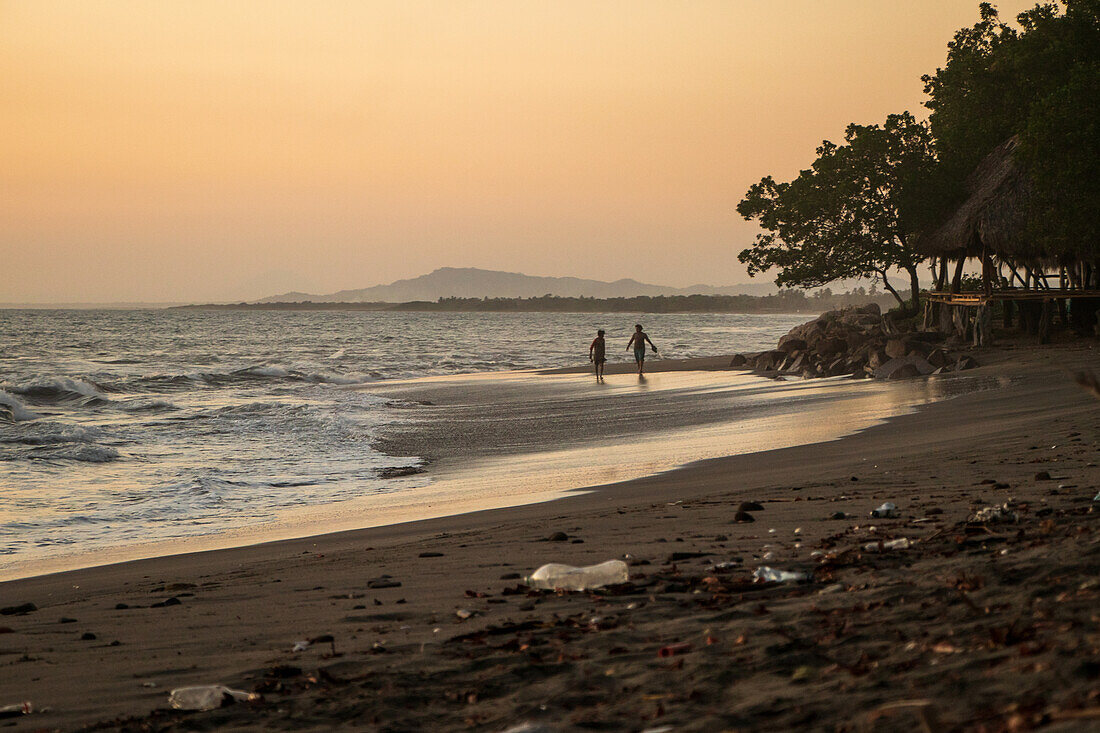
47,390
12,410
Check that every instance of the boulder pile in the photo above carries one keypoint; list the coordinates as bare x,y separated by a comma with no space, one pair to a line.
855,341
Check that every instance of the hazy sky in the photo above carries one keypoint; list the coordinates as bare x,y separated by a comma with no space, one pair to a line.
224,150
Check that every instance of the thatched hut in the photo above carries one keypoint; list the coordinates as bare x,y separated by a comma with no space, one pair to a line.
993,219
991,226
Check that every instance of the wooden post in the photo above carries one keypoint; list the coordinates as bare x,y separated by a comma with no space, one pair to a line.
945,318
1045,318
983,325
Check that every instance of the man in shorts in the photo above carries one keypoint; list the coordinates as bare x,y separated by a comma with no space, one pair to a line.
638,341
597,355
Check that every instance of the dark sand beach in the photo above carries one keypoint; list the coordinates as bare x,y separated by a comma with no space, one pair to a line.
975,626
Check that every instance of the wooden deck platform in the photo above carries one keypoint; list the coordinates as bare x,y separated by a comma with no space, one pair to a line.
969,314
977,297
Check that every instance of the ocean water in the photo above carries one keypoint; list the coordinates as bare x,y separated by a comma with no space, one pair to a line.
121,427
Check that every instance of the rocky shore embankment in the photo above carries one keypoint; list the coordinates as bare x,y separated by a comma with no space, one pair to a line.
859,342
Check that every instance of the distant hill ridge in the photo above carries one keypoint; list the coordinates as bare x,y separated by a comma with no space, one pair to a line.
471,282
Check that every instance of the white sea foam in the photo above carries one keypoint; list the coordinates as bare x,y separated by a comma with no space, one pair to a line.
82,452
342,379
10,405
272,370
50,433
54,388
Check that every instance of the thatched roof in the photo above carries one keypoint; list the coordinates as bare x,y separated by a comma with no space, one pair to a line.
994,215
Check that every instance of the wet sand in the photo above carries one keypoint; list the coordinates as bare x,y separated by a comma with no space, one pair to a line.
991,624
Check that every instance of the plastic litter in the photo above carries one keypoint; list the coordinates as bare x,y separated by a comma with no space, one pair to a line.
888,510
532,728
902,543
671,650
19,708
995,514
555,576
208,697
726,565
773,575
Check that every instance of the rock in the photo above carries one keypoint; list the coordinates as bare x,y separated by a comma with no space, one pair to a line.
919,348
743,517
511,576
877,358
791,344
66,620
383,583
738,360
855,340
937,358
896,348
838,515
121,606
1043,476
913,366
87,636
965,362
870,308
558,537
21,610
905,371
770,359
283,671
430,554
831,347
750,506
681,556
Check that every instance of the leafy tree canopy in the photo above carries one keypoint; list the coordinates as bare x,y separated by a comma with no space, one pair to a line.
852,213
1040,81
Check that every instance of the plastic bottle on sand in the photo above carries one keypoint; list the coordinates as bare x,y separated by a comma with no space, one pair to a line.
568,577
207,697
19,708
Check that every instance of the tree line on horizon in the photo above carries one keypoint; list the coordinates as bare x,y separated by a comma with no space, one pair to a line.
862,207
784,301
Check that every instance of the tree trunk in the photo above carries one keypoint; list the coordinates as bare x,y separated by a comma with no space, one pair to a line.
956,281
914,283
886,284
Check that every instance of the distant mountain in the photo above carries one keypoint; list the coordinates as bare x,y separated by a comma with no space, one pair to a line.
471,282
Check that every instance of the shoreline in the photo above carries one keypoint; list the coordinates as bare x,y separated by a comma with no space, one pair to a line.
251,603
558,459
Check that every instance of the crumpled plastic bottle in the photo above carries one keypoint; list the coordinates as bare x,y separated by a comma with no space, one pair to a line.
19,708
902,543
774,575
208,697
889,510
555,576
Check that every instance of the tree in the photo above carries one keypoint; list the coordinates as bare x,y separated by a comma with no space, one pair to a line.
853,213
1042,83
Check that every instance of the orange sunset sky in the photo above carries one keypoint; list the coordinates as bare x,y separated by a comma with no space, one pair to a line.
175,151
